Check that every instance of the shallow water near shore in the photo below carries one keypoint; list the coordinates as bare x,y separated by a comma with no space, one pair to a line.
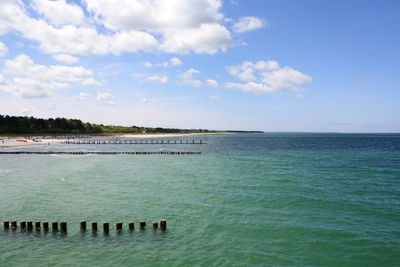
248,199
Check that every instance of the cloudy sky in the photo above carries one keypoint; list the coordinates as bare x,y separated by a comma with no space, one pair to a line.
266,65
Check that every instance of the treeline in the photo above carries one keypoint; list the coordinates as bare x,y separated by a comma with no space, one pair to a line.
31,125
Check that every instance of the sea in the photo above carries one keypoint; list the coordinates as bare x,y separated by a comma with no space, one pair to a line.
260,199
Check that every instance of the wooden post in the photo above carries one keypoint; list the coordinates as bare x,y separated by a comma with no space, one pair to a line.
142,225
63,227
163,225
6,225
29,225
155,225
94,226
46,226
37,226
83,226
106,227
131,226
22,225
14,225
54,225
118,226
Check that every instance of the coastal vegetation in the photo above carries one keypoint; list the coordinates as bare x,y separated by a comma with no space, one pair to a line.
31,125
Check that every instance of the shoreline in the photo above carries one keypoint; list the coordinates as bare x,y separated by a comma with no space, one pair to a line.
11,142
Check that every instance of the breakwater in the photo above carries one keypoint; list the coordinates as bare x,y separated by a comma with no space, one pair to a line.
102,152
133,142
29,226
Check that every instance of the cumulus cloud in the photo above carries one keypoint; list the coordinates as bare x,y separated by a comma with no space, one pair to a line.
30,80
212,83
186,78
3,49
59,12
299,96
213,97
146,100
266,77
178,26
172,62
82,97
105,98
66,58
175,61
151,78
246,24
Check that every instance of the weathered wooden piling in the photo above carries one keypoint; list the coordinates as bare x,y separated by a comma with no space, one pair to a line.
63,227
22,225
142,225
37,226
106,227
54,226
46,226
6,225
94,226
29,225
163,225
131,226
13,225
83,226
118,226
155,225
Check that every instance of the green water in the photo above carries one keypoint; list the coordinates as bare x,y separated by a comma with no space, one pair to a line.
260,199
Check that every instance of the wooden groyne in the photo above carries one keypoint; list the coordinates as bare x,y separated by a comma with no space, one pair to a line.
27,226
134,142
101,152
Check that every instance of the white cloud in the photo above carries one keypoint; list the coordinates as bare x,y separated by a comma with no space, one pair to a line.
66,58
30,80
106,98
151,78
59,12
23,65
212,83
266,77
213,97
3,49
146,100
31,88
155,15
25,111
208,38
186,78
177,26
299,96
175,61
246,24
172,62
246,71
82,97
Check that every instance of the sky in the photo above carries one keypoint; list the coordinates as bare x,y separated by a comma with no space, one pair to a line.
268,65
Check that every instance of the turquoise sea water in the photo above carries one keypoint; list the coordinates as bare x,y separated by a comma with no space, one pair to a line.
248,199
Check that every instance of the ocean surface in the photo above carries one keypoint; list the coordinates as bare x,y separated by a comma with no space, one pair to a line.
247,200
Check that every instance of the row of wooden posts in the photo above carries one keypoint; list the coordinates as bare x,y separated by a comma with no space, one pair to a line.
139,142
62,226
103,152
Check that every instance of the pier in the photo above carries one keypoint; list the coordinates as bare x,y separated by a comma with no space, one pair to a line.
133,142
101,152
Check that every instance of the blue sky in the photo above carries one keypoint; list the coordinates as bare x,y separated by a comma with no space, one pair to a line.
311,65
